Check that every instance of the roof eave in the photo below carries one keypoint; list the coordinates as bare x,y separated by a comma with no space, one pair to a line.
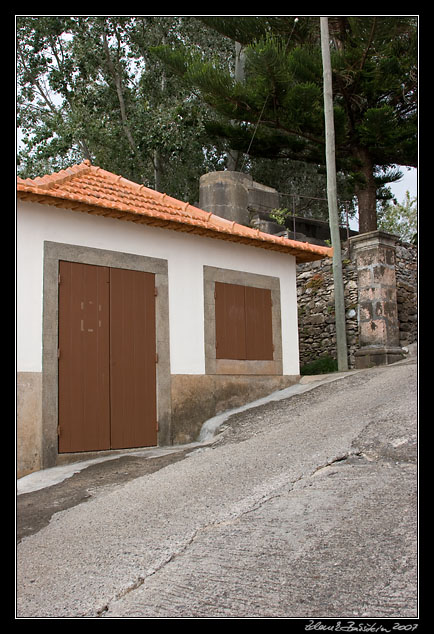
302,251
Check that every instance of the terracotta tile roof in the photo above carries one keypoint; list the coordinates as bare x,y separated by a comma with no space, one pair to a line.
91,189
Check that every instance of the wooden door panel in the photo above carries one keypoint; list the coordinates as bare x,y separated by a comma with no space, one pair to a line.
132,359
84,402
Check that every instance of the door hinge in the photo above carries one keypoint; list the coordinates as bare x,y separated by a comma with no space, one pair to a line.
156,357
58,430
58,353
156,292
156,426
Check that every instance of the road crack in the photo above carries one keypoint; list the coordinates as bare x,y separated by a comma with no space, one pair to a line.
275,489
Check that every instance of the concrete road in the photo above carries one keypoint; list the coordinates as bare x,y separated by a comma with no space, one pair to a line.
304,507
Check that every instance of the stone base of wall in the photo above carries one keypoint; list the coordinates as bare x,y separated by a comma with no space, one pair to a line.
29,422
370,357
198,397
195,399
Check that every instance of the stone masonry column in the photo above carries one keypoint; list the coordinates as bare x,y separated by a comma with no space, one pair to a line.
374,254
226,194
236,196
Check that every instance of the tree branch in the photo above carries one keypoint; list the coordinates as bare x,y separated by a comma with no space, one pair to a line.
118,85
35,82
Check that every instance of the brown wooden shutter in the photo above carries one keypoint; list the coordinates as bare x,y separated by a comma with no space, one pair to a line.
243,322
259,331
230,321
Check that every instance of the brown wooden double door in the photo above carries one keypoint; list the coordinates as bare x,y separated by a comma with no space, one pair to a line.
107,358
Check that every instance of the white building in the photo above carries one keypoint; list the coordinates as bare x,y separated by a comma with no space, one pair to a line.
134,333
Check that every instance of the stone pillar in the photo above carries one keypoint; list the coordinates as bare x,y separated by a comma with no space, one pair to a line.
374,254
226,194
236,196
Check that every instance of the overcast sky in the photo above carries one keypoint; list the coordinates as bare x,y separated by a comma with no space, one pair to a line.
408,182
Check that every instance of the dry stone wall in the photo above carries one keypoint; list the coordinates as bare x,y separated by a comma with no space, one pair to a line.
406,292
316,310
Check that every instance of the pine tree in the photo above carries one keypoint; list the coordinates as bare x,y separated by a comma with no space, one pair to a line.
277,112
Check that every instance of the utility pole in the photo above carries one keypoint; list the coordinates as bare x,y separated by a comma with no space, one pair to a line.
341,335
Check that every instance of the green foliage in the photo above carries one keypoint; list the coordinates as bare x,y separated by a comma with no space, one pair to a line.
279,215
400,218
316,282
240,30
379,130
279,105
155,99
323,365
89,87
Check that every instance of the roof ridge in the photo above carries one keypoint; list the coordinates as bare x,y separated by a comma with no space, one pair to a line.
49,180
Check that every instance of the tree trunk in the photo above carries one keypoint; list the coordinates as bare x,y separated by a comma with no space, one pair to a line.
118,85
366,193
157,170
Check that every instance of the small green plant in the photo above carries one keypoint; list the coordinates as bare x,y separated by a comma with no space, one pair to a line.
315,282
323,365
279,215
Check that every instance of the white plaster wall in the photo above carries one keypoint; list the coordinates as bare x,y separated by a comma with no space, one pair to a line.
186,255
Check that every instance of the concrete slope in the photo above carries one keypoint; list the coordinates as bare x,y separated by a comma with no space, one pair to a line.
301,507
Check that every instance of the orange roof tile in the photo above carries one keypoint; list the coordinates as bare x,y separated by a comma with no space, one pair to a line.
91,189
